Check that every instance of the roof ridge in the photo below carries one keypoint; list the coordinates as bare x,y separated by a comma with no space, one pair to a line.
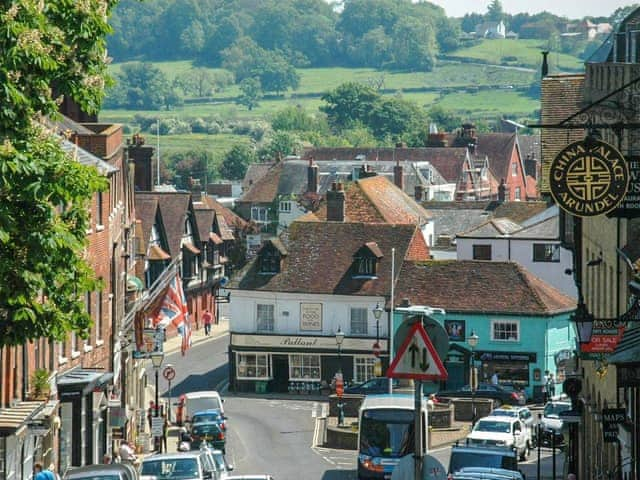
525,275
364,193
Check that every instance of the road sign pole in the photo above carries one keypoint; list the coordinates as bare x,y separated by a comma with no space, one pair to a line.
417,428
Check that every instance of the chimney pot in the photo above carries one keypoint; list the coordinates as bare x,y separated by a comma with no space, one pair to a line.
419,192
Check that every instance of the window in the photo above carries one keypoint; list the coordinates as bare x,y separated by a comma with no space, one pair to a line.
365,266
517,194
99,208
253,365
363,368
505,331
265,318
482,252
358,321
514,169
304,367
269,262
546,252
285,207
74,343
99,322
259,214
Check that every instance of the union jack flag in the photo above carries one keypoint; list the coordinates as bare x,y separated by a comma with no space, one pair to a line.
173,310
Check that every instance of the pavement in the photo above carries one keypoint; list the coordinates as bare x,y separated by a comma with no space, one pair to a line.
174,344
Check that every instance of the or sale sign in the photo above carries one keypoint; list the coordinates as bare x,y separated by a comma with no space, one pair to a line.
611,418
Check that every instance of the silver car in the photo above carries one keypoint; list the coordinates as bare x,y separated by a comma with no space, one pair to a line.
111,471
177,466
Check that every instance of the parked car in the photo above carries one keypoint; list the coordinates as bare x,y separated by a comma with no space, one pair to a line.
377,385
250,477
176,466
481,456
221,462
551,424
211,415
521,413
209,433
484,473
192,402
502,432
111,471
484,390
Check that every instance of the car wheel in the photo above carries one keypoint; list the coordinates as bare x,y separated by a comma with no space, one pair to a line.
525,453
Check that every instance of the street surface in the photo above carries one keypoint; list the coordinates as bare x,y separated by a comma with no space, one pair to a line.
278,436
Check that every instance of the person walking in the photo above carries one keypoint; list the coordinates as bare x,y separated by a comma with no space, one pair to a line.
551,386
207,318
126,452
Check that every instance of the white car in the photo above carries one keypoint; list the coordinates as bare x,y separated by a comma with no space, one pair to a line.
521,413
501,431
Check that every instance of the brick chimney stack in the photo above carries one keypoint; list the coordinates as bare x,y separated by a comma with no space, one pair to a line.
335,203
398,175
419,193
545,64
141,156
312,177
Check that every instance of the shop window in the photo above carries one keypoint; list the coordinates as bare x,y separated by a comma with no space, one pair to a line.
482,252
264,315
546,252
304,367
358,321
363,368
505,331
253,366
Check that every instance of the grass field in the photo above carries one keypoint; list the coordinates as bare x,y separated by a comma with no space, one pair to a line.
527,53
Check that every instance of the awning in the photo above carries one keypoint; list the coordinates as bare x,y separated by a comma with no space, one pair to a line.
192,248
40,423
134,284
628,349
157,253
81,381
15,418
215,238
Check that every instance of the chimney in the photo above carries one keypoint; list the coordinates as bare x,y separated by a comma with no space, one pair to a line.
141,155
502,191
335,203
545,63
312,177
398,175
419,193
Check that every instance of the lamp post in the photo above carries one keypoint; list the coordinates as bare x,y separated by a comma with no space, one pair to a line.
156,361
473,343
377,313
339,379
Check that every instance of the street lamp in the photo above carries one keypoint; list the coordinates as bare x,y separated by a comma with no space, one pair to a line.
339,379
339,340
473,343
156,361
584,323
377,313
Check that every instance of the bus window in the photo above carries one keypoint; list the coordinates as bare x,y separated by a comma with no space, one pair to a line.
387,433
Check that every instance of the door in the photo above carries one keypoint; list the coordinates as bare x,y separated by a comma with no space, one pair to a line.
280,373
456,378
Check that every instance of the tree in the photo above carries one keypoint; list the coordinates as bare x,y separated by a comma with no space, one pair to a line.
392,117
198,82
142,86
494,11
251,93
235,162
275,73
45,193
280,145
348,104
414,45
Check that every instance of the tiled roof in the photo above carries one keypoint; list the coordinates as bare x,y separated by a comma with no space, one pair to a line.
518,212
146,210
226,233
476,286
561,96
174,207
231,219
549,229
255,171
265,188
205,223
320,257
496,227
497,147
529,146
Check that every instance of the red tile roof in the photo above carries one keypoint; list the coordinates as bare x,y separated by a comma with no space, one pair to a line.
480,287
320,256
232,220
265,188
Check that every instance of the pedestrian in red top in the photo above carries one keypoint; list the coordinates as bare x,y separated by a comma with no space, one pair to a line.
207,319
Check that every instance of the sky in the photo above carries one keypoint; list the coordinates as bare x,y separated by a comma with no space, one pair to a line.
568,8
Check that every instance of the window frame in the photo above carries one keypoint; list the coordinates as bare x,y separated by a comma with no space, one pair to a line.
268,366
260,321
269,262
355,331
478,246
505,323
303,367
546,259
514,169
366,363
285,206
365,266
517,193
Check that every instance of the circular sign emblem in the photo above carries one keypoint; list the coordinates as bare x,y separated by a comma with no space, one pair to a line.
169,373
589,178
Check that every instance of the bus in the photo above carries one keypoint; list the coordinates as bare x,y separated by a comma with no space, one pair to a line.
386,433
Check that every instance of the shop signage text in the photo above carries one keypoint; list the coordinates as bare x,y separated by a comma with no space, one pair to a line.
298,342
630,205
611,418
311,316
605,337
589,178
506,356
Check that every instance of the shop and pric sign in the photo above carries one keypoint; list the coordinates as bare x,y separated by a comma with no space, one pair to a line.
611,418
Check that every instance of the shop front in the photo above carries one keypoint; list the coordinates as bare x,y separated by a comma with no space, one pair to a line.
299,363
83,417
511,368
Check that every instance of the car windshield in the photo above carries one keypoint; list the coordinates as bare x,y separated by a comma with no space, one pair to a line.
504,413
480,459
386,433
204,403
219,459
206,417
552,410
492,426
172,468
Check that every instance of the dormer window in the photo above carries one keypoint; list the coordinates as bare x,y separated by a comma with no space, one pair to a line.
365,261
270,257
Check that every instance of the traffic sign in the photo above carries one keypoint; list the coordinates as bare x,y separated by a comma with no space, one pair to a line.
376,349
169,373
157,424
417,359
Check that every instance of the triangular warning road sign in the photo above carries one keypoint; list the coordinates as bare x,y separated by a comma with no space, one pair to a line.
417,358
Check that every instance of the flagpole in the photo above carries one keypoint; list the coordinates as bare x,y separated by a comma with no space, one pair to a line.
158,151
391,332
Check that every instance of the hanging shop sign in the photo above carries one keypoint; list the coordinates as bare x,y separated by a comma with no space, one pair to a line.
604,339
589,178
630,205
611,418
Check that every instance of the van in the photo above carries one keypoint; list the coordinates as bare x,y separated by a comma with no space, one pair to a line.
193,402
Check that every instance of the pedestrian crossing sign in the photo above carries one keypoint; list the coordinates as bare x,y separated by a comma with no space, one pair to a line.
417,358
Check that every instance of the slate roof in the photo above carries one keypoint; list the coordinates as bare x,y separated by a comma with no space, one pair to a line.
529,146
254,172
265,188
377,199
495,227
320,257
87,159
174,207
146,210
227,219
549,229
463,286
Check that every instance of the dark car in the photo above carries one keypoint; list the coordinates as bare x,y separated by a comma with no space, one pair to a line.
111,471
207,416
209,432
484,390
372,386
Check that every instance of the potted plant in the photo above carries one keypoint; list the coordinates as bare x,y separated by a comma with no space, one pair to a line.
39,383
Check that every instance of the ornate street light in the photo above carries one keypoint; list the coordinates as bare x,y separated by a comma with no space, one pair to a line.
156,361
377,313
473,343
339,379
339,340
584,323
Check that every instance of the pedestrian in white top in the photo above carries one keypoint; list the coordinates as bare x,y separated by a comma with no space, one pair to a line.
494,378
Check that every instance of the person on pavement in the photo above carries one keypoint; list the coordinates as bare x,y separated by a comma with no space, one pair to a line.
126,452
207,318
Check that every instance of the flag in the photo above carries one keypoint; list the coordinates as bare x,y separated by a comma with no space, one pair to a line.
173,310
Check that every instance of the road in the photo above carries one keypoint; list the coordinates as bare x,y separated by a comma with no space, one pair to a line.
277,436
